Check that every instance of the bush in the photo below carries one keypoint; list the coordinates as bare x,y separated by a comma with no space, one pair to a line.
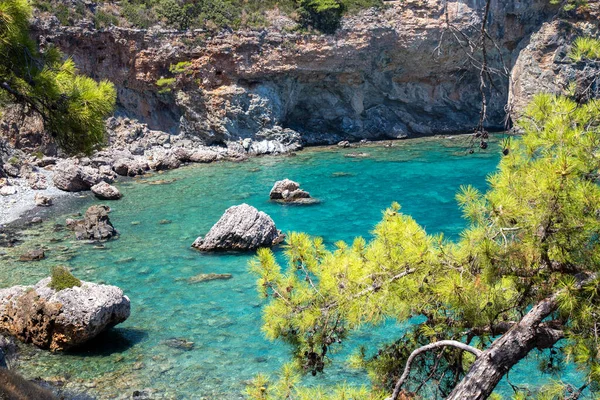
63,279
103,19
585,48
139,15
324,15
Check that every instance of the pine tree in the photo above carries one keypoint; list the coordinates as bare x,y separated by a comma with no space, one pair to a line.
523,276
72,106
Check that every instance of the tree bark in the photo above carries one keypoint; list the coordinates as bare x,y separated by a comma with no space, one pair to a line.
506,351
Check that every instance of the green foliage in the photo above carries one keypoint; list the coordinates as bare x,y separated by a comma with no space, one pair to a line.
182,67
324,15
73,106
528,236
139,15
103,19
585,48
62,278
165,85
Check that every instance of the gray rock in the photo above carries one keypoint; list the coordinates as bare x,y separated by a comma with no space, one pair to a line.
203,156
164,162
95,226
41,200
130,166
288,191
33,255
58,320
241,228
37,181
71,177
11,170
8,190
8,351
104,191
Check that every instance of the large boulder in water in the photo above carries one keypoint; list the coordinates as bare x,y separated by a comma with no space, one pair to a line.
58,320
94,226
241,228
288,191
104,191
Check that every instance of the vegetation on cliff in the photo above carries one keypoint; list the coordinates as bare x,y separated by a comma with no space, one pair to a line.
522,277
323,15
72,106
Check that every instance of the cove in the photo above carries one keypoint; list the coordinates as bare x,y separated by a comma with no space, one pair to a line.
161,215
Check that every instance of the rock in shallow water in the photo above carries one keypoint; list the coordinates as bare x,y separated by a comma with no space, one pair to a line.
209,277
58,320
241,228
288,191
95,226
104,191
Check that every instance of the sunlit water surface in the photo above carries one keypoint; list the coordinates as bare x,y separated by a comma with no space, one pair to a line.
152,262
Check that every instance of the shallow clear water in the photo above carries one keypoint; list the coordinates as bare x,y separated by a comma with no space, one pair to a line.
152,262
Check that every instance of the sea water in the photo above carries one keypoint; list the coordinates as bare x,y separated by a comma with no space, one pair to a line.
161,215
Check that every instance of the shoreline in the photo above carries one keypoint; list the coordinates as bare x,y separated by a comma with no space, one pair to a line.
17,211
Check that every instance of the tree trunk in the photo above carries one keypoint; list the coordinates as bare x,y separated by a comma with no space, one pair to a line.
506,351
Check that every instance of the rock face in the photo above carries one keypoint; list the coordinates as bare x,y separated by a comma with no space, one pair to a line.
544,64
288,191
380,76
241,228
60,320
104,191
95,226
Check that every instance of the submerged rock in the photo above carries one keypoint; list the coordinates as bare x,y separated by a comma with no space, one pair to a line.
288,191
241,228
8,351
104,191
179,343
209,277
33,255
95,226
58,320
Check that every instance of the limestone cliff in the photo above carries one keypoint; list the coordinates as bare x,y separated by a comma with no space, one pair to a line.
386,73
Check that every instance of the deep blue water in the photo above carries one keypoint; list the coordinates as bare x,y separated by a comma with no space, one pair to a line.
153,261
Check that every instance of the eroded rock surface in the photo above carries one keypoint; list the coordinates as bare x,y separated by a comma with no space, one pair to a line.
58,320
241,228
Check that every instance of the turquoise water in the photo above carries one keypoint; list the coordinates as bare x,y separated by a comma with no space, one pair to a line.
152,262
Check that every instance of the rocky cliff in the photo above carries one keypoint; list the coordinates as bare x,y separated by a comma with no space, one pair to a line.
388,73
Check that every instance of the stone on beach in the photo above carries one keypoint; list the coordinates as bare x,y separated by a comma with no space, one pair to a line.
241,228
58,320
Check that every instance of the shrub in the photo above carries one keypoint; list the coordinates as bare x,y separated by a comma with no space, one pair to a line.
165,85
62,278
138,15
324,15
182,67
585,48
103,19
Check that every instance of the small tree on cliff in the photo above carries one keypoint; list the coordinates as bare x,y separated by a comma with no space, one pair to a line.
72,106
523,276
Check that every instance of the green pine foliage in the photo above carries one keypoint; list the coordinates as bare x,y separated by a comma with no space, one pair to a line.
61,278
72,106
532,234
585,48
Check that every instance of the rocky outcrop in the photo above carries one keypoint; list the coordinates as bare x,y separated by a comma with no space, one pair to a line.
95,226
241,228
104,191
73,177
386,73
544,64
58,320
288,191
